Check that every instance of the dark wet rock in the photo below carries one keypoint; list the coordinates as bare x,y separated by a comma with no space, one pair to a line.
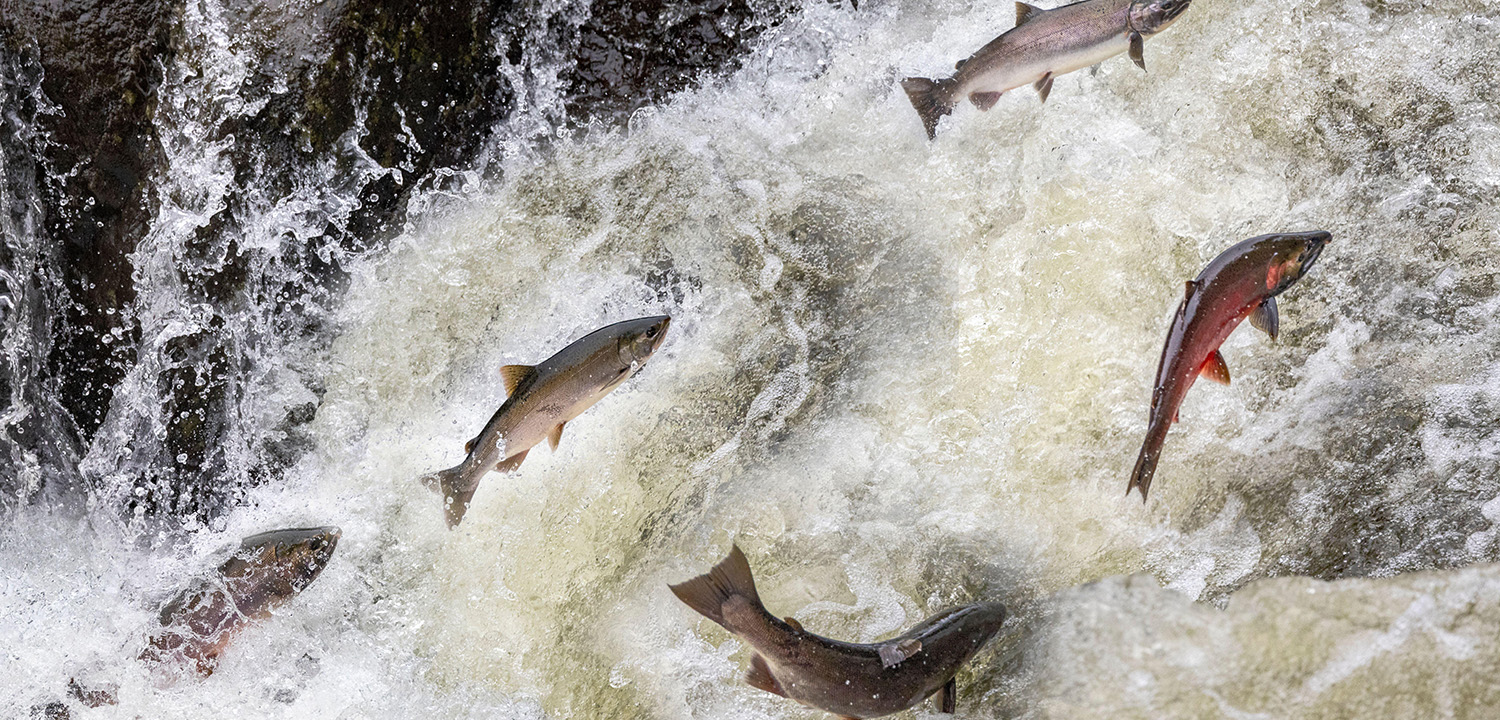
102,64
633,54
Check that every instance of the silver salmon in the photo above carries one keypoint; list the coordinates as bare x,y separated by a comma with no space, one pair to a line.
1043,45
851,680
543,398
1241,282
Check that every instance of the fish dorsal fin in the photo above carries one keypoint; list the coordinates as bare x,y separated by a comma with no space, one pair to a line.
1265,318
1215,369
1189,289
892,653
793,622
760,677
512,375
555,435
469,446
1026,12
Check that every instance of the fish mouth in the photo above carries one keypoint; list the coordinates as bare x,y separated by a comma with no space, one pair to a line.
1315,241
661,333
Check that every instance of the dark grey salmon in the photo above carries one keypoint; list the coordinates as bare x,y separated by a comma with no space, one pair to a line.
200,621
852,680
1241,282
542,399
1043,45
266,571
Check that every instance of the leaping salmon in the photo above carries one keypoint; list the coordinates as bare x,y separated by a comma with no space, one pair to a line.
1042,45
851,680
542,399
1241,282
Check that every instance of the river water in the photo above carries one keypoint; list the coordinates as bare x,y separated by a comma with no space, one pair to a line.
901,375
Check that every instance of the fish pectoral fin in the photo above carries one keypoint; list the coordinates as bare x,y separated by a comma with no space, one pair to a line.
893,653
759,676
984,100
793,622
555,436
1138,49
1044,86
948,697
1026,12
512,375
1215,369
1265,318
511,463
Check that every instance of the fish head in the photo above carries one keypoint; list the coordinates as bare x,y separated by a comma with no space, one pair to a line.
1291,256
637,340
981,621
1149,17
295,556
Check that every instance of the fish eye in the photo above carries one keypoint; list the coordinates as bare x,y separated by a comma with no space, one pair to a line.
651,333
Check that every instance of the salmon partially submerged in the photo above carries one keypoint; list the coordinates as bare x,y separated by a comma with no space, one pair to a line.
1043,45
542,399
198,623
1241,282
851,680
265,572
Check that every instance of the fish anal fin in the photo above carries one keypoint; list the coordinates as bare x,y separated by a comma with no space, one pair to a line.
759,676
948,697
984,100
1044,86
513,375
1265,318
555,435
1215,369
793,622
893,653
1026,12
511,463
1138,49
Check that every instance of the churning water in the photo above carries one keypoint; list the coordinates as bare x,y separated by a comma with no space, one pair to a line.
901,375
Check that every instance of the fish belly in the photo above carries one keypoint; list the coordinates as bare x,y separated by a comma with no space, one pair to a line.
1008,76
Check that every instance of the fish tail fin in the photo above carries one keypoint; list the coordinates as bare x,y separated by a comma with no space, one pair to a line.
707,593
1145,465
932,98
456,492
